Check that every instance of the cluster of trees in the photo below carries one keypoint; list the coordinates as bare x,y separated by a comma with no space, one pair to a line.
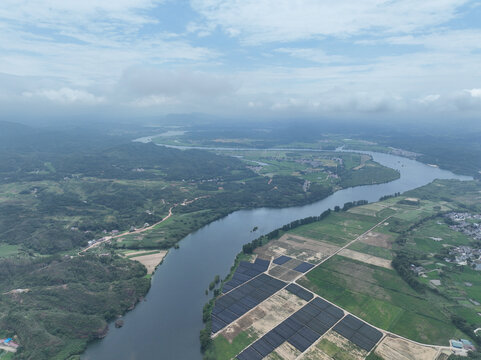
254,244
465,327
385,197
69,302
402,264
351,204
121,162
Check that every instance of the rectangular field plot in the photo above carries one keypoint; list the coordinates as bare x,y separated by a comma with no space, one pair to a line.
283,273
337,228
360,333
303,267
334,346
300,330
237,302
380,297
290,246
281,260
244,272
302,293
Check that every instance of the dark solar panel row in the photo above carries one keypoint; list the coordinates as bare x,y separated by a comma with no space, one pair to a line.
236,303
303,267
244,272
360,333
302,293
282,260
301,329
249,354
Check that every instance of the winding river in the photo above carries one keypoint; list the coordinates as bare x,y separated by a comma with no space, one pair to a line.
167,324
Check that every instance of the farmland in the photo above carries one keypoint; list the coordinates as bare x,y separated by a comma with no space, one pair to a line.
361,257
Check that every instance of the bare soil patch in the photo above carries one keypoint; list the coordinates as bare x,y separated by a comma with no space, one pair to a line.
302,248
150,261
291,264
399,349
366,258
287,351
347,348
266,316
283,273
314,353
377,239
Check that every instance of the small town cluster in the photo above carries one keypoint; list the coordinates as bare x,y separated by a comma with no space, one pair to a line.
468,224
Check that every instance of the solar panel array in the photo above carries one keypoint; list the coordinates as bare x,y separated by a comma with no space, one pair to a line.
357,331
301,329
305,266
236,303
302,293
244,272
282,260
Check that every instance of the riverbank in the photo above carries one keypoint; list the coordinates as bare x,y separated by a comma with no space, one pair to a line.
385,298
208,252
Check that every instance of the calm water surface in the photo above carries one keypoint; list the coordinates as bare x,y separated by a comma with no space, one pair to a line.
167,325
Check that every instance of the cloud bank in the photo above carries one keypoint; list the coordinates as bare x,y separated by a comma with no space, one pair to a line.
261,58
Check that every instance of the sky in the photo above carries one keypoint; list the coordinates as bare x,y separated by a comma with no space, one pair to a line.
383,59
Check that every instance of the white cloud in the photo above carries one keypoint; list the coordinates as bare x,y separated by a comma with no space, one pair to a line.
86,42
312,54
258,21
118,53
429,99
447,40
154,100
154,81
65,96
475,93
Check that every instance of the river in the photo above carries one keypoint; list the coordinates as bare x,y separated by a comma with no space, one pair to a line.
167,324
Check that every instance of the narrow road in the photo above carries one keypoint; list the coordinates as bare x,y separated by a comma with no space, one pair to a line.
344,247
141,230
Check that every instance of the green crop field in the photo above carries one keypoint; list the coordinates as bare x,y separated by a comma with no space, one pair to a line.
338,228
372,250
421,238
221,349
380,297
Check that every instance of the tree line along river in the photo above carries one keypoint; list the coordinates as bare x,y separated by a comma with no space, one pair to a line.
167,324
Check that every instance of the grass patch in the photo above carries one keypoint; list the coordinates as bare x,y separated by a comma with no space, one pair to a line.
334,351
221,348
6,355
372,250
7,250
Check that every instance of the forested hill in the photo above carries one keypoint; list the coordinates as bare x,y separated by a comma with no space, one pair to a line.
126,161
136,160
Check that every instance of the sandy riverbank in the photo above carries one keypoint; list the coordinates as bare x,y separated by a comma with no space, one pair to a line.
150,261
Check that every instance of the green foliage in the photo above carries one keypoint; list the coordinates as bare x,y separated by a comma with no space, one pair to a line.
367,175
373,356
402,264
465,327
67,301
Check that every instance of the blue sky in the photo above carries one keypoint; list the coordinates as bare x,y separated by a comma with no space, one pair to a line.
256,58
